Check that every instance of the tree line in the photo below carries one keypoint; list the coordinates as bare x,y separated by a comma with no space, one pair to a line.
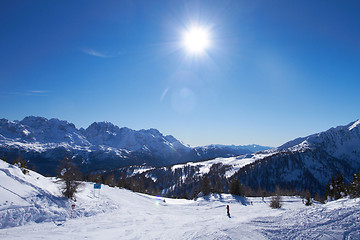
187,183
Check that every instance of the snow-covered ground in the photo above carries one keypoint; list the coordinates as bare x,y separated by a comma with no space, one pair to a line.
31,208
235,162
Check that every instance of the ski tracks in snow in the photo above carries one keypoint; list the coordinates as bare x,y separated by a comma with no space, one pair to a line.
332,221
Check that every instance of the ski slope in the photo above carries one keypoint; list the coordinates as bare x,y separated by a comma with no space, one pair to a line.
31,207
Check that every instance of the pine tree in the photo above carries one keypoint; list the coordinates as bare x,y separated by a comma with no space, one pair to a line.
330,192
110,180
355,186
260,192
336,189
319,198
69,175
218,186
195,193
234,187
205,186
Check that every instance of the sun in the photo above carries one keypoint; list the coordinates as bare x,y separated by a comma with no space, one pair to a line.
196,40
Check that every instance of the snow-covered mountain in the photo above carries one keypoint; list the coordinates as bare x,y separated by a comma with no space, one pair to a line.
102,145
107,134
342,142
303,163
309,162
39,130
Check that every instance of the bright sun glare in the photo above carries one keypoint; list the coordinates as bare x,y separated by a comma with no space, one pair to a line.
196,40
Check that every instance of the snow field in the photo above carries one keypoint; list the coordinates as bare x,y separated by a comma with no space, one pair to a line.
31,207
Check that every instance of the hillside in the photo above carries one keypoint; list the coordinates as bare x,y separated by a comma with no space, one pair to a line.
306,163
31,208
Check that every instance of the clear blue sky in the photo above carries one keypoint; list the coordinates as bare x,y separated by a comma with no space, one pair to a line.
274,71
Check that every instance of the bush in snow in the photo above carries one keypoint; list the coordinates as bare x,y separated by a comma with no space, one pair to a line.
69,175
22,164
275,202
308,201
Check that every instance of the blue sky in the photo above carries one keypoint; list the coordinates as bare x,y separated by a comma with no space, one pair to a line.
274,71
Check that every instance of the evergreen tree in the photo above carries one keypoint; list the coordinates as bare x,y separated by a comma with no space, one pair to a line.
260,192
319,198
234,187
205,186
218,186
195,193
330,192
69,175
102,178
248,191
110,180
355,186
336,189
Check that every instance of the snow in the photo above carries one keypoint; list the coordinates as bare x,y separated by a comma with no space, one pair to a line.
235,162
26,132
334,220
31,208
141,169
354,125
63,171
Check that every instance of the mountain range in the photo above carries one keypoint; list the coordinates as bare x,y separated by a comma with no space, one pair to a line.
306,163
309,162
167,164
101,146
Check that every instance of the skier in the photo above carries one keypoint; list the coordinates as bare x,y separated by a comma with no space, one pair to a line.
228,210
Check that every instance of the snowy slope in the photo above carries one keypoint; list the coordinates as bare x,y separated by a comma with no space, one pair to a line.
25,198
32,197
234,163
32,203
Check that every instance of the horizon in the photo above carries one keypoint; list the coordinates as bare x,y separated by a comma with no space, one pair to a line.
262,73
